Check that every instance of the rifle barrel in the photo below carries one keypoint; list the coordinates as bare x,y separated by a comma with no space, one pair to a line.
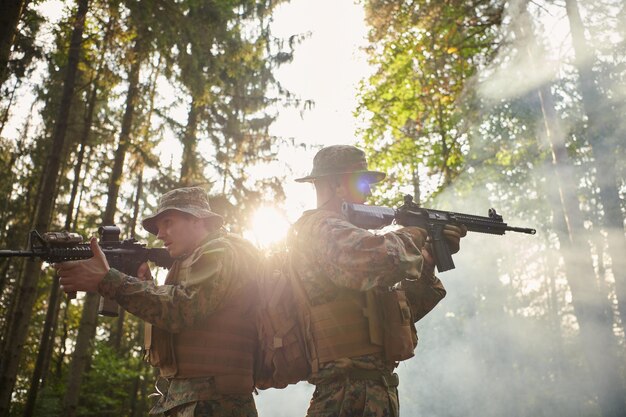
522,230
11,253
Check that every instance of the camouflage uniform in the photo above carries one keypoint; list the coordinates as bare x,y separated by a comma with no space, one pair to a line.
223,263
331,257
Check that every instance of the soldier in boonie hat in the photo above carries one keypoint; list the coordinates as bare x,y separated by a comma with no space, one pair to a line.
191,200
341,159
340,268
203,305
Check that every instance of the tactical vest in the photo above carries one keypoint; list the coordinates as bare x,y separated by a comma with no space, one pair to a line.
376,322
221,346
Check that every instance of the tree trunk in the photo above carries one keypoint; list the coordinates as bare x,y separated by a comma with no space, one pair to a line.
81,355
47,337
7,110
4,274
603,145
64,334
87,328
48,355
124,141
17,272
417,192
188,169
78,166
591,307
19,326
82,189
138,194
8,190
118,332
9,19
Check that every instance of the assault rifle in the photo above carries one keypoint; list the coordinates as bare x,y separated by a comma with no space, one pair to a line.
411,214
123,255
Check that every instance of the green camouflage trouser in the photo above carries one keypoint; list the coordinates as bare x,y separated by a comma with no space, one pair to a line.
226,406
350,398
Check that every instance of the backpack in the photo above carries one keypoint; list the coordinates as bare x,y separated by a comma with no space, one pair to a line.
282,357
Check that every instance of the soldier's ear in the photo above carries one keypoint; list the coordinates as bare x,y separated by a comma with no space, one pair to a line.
341,189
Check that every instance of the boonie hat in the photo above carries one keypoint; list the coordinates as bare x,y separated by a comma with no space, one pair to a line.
341,159
191,200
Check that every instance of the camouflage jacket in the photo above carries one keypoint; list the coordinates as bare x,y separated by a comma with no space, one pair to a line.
223,263
330,256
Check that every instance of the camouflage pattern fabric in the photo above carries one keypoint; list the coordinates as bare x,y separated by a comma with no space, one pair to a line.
328,252
354,399
216,263
220,406
331,257
192,200
218,268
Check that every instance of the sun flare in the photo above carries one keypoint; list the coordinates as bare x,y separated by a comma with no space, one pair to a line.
269,226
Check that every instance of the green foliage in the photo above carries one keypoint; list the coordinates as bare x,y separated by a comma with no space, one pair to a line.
415,104
107,384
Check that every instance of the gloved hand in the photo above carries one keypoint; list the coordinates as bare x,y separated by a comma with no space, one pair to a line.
453,235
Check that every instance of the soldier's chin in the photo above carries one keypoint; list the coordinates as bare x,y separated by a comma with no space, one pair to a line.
174,253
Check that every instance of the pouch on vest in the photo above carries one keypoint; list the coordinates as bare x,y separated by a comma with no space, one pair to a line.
159,350
158,343
282,358
400,337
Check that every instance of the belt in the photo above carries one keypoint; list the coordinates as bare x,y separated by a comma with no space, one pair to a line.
388,379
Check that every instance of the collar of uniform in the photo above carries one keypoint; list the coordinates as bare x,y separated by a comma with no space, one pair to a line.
210,237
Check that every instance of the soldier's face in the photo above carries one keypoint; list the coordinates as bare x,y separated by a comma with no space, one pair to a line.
181,233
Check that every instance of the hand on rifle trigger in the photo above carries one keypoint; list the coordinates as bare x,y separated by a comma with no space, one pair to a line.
143,272
453,235
84,275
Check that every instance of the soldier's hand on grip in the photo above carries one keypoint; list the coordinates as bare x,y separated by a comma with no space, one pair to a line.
86,274
143,272
453,235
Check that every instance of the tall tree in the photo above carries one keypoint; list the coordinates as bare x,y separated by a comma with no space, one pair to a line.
9,18
600,134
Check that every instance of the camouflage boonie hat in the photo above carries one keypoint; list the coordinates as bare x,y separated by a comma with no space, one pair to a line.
191,200
341,159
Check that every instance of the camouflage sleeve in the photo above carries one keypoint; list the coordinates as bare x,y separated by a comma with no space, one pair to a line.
423,294
174,307
358,259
